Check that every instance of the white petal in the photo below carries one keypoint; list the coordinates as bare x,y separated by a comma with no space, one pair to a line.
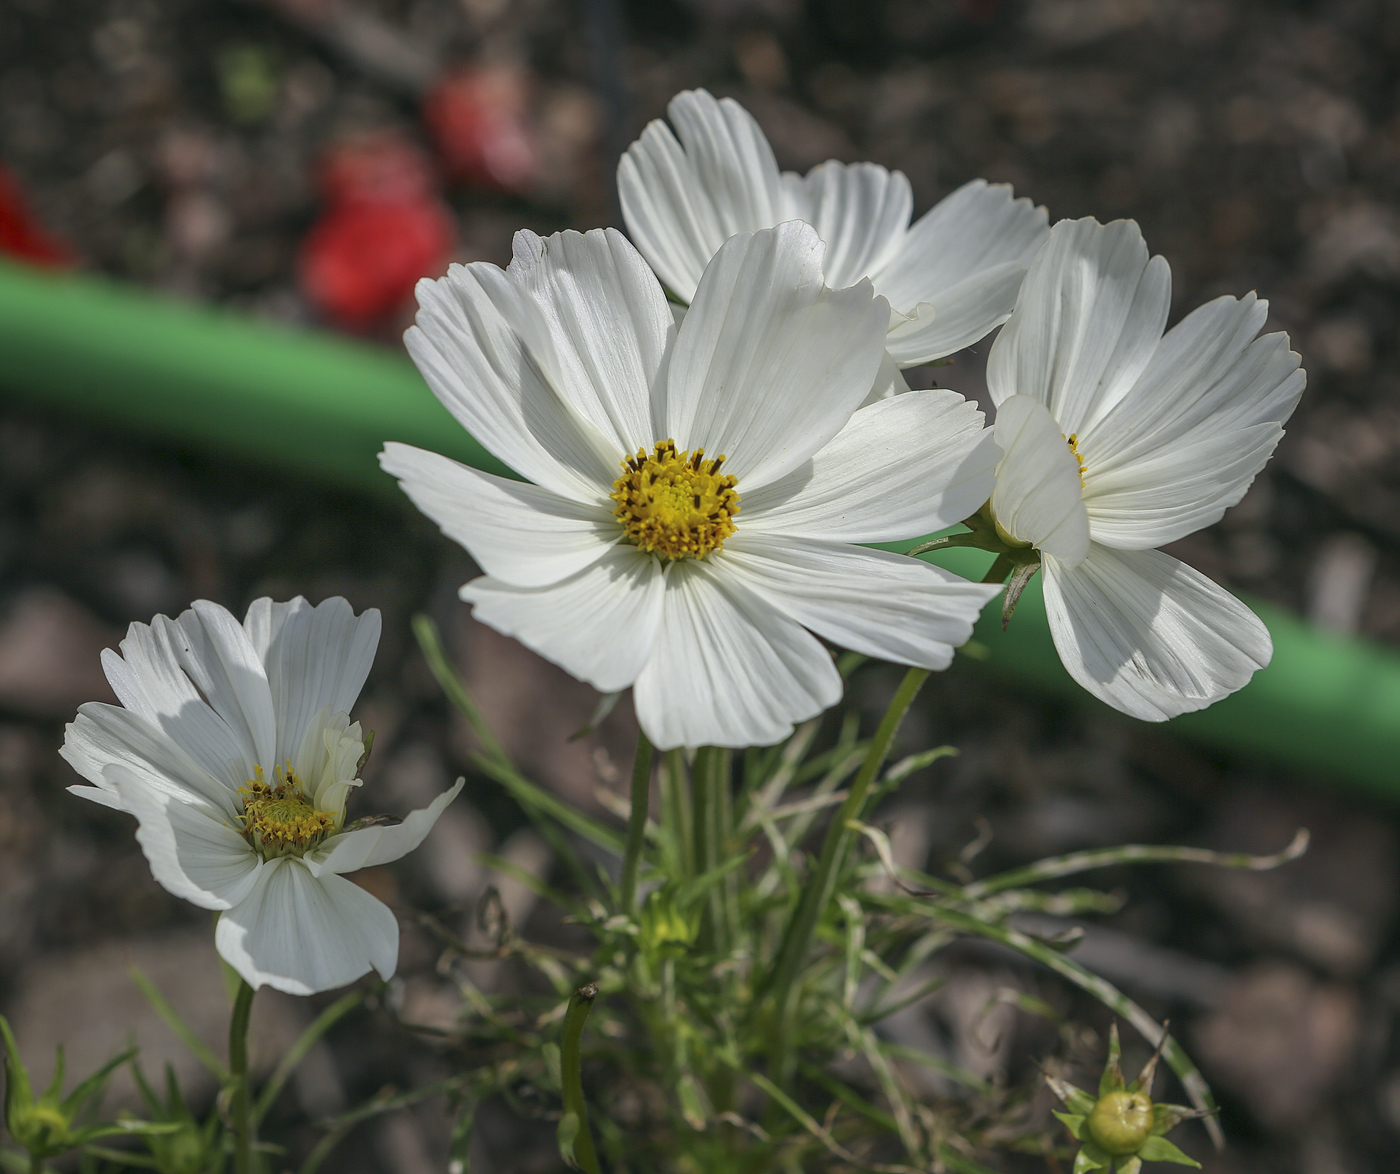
515,531
769,364
1090,313
367,847
728,669
105,736
600,625
610,326
316,657
302,934
485,348
682,200
963,315
193,848
903,467
1148,634
218,657
889,381
149,682
884,605
1037,499
861,212
1184,444
959,269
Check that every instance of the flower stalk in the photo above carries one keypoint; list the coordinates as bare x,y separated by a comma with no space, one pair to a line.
241,1110
575,1138
636,823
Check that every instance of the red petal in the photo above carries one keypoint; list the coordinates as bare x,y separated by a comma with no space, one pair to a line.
479,120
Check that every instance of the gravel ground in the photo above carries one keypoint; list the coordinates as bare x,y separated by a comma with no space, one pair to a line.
1258,144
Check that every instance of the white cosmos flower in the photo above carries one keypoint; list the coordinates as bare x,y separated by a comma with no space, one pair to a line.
234,750
1117,439
950,278
693,495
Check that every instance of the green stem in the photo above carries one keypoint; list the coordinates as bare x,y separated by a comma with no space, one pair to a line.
713,813
636,824
571,1069
241,1108
816,894
676,813
429,641
36,1164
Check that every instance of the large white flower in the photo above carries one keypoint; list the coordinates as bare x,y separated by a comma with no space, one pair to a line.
1117,439
696,493
950,278
234,750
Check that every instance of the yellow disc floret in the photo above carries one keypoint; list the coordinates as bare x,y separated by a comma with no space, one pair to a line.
277,819
1073,440
676,504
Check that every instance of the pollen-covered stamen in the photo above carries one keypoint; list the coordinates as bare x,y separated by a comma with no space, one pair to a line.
676,504
1073,441
277,819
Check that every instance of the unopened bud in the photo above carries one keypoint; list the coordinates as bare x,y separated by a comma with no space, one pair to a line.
1121,1122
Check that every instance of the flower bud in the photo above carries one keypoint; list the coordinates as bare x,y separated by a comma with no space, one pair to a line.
1121,1122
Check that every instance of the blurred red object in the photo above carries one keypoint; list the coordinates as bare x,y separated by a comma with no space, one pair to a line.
382,228
479,120
21,235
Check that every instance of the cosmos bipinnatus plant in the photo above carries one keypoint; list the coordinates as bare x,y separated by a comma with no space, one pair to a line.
715,452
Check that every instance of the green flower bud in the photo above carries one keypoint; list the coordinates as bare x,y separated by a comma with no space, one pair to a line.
1121,1122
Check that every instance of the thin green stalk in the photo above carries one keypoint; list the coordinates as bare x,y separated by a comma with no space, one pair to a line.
241,1108
636,824
299,1050
713,813
428,640
571,1069
676,812
816,895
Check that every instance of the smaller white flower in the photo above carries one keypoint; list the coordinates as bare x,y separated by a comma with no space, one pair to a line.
950,278
1117,439
234,750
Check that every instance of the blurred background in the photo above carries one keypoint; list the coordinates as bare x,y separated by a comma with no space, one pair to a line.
306,160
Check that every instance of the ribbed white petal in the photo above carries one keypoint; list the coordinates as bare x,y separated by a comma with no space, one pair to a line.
861,212
1184,444
382,844
957,271
1037,499
517,532
769,364
1149,635
193,848
216,654
610,326
889,381
963,315
1089,316
316,658
106,735
682,200
903,467
600,625
149,682
728,669
302,934
884,605
485,347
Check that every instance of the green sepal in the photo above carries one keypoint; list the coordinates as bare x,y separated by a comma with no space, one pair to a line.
1074,1122
1129,1165
1076,1099
1165,1118
1090,1158
1159,1149
1112,1078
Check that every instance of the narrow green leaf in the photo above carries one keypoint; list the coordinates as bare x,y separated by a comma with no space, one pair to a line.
1159,1149
1112,1078
299,1050
172,1020
535,798
1074,1122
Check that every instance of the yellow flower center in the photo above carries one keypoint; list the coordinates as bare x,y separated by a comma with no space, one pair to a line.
676,504
1073,440
277,819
